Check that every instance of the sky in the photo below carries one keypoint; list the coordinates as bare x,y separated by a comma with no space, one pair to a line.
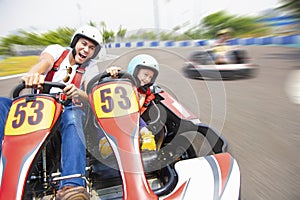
43,15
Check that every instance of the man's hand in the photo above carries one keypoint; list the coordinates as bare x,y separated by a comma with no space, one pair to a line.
34,80
71,91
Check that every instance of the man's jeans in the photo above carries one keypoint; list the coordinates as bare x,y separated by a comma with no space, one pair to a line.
73,156
5,104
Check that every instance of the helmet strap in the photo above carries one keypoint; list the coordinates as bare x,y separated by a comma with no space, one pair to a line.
73,52
144,88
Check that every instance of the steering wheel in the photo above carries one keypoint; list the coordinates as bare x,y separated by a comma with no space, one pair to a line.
48,84
100,77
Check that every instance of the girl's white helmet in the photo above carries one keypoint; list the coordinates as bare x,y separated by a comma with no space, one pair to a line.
89,32
143,61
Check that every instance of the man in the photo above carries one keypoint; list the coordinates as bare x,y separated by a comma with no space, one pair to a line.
68,65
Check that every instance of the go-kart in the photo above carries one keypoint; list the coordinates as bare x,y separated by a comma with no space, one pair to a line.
221,62
30,160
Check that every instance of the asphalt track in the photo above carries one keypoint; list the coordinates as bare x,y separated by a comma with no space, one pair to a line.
259,117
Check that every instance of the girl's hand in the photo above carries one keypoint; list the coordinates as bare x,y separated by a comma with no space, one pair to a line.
113,70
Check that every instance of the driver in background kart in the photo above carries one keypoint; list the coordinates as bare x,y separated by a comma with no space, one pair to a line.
223,36
223,53
144,69
221,47
67,65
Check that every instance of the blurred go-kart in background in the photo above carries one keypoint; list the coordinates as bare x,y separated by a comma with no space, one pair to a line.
220,62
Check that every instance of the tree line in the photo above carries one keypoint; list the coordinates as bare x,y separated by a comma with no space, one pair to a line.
243,26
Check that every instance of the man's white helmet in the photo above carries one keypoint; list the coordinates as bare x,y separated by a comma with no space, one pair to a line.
89,32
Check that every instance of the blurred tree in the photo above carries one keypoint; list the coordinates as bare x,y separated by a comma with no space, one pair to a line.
121,33
293,6
6,42
206,29
60,36
242,25
92,24
107,36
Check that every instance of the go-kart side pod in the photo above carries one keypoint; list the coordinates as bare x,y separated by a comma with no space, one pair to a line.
29,123
211,177
116,107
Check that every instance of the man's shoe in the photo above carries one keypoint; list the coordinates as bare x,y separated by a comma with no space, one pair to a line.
72,193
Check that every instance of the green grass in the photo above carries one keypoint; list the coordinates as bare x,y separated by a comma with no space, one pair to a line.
16,65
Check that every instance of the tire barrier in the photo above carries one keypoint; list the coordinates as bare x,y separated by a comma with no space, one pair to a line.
287,40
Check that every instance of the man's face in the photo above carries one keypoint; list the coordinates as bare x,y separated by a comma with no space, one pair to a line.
85,49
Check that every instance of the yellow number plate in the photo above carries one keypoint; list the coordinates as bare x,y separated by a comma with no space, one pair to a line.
115,100
26,117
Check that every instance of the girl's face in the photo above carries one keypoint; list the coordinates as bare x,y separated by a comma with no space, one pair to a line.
145,76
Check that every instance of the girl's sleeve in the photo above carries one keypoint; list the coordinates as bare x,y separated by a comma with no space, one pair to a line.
142,123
